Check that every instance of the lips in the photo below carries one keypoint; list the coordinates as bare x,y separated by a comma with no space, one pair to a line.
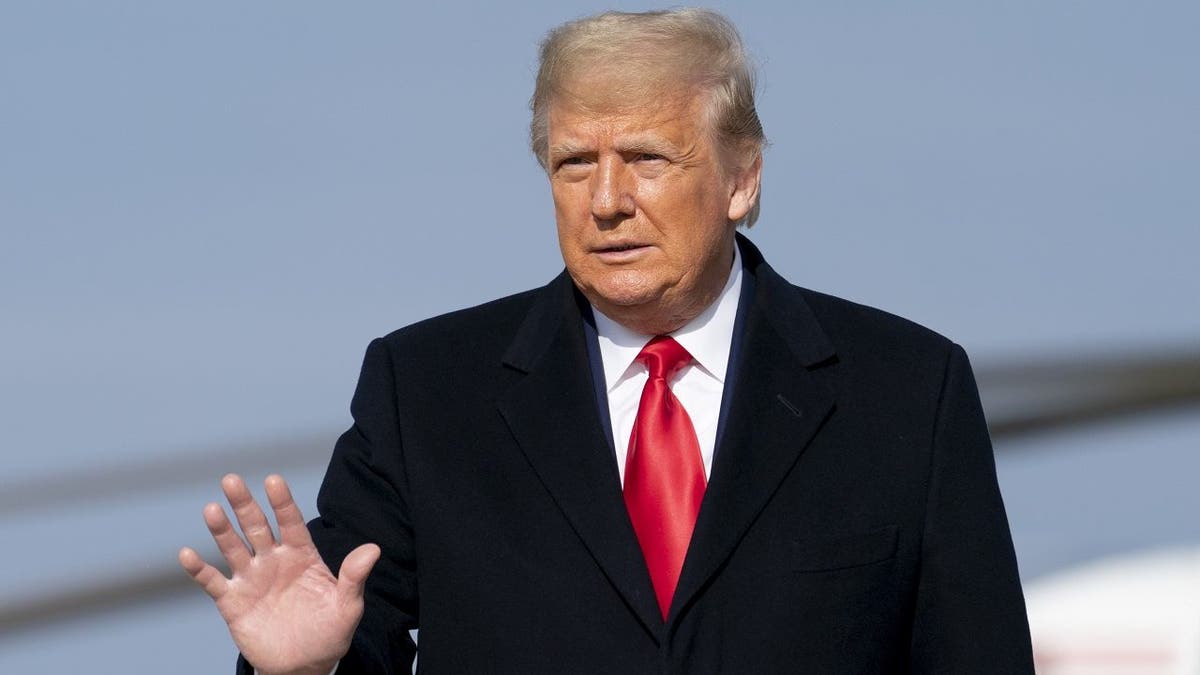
620,247
620,253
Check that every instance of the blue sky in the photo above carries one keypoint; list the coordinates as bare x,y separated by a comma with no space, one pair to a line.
208,209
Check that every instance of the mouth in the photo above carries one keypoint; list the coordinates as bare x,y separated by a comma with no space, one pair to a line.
621,253
617,248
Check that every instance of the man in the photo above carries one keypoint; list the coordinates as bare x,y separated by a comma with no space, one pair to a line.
667,460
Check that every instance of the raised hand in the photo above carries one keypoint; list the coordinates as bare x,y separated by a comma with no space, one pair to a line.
286,611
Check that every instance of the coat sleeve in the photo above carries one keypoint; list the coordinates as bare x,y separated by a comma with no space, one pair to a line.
363,499
970,611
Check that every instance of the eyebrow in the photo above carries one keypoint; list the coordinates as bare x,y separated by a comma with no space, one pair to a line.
568,148
648,144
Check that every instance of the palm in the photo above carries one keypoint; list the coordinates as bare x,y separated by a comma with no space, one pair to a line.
262,604
286,612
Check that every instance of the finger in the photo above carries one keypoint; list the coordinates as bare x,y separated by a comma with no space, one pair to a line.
352,577
291,522
208,577
229,543
249,516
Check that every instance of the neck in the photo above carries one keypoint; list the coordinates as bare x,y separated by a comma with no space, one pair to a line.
656,320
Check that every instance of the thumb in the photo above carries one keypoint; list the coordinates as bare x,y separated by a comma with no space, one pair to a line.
355,568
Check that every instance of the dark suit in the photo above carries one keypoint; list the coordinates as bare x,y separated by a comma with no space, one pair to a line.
852,522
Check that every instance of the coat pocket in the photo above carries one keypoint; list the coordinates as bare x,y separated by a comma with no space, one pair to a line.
841,551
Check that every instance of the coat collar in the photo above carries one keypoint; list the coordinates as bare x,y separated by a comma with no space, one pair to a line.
552,414
773,296
776,409
783,305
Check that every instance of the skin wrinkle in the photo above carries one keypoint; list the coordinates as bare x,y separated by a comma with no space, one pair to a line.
647,173
638,57
641,94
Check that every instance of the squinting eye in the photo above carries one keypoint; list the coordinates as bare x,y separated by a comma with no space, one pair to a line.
648,157
571,161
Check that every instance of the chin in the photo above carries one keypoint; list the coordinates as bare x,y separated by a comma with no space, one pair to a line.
625,289
621,298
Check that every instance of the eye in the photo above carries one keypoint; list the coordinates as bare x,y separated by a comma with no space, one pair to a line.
648,157
571,161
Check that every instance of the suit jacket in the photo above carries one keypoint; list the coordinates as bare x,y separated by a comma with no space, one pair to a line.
852,523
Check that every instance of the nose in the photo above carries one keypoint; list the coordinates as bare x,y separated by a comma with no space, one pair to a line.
612,196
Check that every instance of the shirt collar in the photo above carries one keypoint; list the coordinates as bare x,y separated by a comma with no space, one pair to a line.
707,337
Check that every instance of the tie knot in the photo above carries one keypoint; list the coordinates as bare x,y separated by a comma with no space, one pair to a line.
664,356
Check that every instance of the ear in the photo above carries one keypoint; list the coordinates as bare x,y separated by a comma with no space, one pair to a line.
745,189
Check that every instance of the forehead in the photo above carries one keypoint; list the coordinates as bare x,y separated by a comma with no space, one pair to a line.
612,113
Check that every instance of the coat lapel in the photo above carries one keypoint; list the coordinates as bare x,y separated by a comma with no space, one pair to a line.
778,406
776,409
552,413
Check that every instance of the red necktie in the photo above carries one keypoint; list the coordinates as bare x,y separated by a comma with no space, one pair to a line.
664,475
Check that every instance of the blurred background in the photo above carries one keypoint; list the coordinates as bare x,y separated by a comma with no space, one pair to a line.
208,209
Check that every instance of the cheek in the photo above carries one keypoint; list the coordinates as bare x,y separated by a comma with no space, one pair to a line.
571,210
651,192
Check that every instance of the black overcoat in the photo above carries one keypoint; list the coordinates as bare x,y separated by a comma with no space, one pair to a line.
852,523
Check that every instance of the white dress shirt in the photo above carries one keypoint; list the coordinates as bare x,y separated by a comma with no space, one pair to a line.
698,386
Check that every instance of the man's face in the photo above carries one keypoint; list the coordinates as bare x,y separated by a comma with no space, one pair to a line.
644,208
